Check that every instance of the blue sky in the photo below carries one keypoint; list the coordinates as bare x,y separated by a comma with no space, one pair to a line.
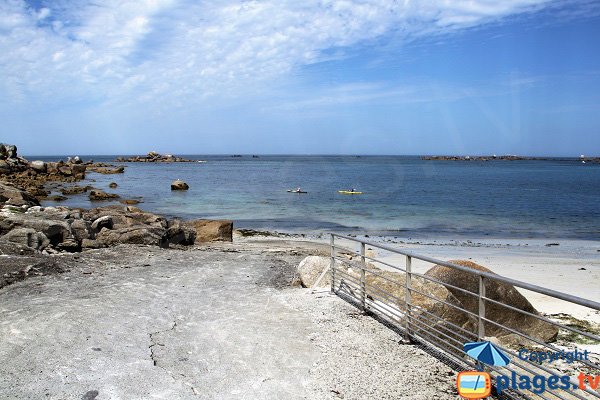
313,77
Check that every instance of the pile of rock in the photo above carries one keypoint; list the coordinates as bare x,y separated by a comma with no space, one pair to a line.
53,229
153,157
33,175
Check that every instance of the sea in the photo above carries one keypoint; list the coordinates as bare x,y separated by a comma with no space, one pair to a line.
403,196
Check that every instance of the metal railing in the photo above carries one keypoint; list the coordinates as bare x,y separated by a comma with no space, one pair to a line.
442,316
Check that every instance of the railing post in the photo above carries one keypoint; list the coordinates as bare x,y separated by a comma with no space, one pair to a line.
332,263
407,295
481,314
363,283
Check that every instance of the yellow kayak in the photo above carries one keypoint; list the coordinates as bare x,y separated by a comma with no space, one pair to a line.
348,192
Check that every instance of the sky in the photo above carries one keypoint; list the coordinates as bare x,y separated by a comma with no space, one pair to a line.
301,77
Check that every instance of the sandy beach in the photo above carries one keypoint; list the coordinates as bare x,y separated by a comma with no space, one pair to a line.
568,266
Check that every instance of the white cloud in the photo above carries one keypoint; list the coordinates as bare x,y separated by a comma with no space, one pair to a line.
143,50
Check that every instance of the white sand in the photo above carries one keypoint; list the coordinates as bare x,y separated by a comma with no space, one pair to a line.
571,267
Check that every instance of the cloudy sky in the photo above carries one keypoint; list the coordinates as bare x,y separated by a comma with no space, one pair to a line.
300,77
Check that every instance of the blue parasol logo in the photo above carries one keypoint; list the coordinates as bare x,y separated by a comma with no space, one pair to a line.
487,353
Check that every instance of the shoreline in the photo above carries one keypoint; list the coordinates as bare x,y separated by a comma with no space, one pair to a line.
572,266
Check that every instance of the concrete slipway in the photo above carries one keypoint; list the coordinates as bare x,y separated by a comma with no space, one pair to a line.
217,322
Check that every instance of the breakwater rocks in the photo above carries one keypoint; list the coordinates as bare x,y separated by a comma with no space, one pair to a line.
154,157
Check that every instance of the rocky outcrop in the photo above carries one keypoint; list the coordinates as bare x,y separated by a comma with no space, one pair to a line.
154,157
27,237
107,170
12,195
32,176
53,229
133,235
212,230
179,185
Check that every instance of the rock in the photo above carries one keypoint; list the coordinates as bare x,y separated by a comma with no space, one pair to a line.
133,235
57,198
498,291
99,195
113,185
39,166
131,202
102,222
27,237
81,229
52,224
8,151
178,233
107,171
65,170
73,190
212,230
4,167
15,196
71,245
179,185
153,156
311,268
38,192
92,244
78,171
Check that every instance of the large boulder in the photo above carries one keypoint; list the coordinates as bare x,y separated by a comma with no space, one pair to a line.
311,268
179,185
27,237
498,291
52,226
212,230
81,229
133,235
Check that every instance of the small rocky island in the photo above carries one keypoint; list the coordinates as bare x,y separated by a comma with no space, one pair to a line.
510,157
155,158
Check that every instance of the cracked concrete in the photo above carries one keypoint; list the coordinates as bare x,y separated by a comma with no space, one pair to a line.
208,323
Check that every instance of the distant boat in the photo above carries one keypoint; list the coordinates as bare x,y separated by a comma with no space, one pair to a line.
583,162
296,191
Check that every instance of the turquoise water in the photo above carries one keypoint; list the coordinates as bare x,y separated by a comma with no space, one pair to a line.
403,196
